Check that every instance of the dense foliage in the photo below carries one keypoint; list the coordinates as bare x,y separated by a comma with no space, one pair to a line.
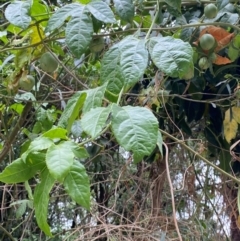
119,120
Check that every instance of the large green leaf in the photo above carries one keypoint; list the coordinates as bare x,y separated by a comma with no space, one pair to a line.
95,120
136,129
94,98
39,144
56,132
59,159
101,11
78,151
72,109
124,9
174,4
79,32
20,171
111,72
17,13
133,60
124,64
41,199
172,56
77,185
62,14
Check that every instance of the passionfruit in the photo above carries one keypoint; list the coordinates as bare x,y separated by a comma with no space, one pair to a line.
204,63
210,10
26,82
207,41
48,62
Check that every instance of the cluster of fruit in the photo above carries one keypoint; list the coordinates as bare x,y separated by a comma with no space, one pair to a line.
207,42
48,63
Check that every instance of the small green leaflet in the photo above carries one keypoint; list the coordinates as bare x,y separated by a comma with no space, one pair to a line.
77,185
41,199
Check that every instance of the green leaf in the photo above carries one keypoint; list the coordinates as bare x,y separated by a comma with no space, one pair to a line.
59,160
136,130
41,199
17,13
79,151
76,129
124,64
94,98
174,4
77,185
111,72
59,17
133,60
39,144
79,32
124,9
172,56
38,10
19,171
21,206
72,109
101,11
234,49
56,133
95,120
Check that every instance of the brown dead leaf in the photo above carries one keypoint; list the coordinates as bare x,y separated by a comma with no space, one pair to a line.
221,60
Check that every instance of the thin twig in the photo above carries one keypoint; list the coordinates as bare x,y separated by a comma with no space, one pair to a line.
16,129
172,194
7,233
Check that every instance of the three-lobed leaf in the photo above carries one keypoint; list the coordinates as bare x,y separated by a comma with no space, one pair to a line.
136,129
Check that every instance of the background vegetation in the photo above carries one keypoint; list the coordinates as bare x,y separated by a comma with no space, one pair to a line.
119,120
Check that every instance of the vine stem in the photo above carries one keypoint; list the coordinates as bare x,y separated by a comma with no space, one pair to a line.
154,20
172,193
200,156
